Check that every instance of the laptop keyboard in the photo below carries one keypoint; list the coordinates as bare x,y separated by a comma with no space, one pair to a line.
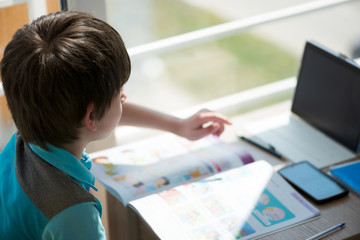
299,141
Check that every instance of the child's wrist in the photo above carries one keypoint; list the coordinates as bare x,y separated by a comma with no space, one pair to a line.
177,126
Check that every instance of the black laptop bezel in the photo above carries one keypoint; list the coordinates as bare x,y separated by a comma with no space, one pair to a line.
343,62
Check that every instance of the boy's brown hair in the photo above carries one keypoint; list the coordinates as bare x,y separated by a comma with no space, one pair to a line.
54,67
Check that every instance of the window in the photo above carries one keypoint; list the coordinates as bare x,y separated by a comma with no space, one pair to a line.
183,76
187,74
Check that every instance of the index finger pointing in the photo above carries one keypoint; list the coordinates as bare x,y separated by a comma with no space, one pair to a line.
215,117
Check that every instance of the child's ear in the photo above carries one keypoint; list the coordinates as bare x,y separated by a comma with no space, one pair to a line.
89,119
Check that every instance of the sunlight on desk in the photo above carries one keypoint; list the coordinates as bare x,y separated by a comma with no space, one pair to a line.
247,202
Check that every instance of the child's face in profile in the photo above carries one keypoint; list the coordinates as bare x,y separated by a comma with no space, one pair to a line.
112,116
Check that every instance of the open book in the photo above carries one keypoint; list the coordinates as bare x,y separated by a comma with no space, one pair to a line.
136,170
205,189
246,202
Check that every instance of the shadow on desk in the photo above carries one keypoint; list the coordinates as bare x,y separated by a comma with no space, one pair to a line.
356,237
124,223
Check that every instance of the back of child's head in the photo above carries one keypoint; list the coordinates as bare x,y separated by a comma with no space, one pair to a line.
55,67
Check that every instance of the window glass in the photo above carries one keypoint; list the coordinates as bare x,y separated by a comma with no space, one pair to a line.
182,77
263,54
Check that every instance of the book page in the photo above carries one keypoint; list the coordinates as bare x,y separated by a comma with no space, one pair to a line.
155,164
245,202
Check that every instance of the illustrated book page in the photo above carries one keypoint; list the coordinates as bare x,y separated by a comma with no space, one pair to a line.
246,202
136,170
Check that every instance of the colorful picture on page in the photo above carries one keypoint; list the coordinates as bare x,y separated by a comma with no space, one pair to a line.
239,228
154,150
172,197
220,164
215,206
199,188
269,210
206,233
190,216
110,169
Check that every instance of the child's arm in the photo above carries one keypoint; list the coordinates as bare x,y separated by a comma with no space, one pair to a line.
191,128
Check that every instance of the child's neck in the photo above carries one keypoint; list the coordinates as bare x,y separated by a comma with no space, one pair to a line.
75,148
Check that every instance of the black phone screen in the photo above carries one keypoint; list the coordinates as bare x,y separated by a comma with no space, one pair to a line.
313,182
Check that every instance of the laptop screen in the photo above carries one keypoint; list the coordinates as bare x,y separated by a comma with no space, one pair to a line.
327,94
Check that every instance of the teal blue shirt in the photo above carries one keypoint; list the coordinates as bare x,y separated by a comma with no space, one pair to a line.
39,201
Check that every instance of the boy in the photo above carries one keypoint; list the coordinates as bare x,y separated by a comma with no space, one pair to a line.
63,77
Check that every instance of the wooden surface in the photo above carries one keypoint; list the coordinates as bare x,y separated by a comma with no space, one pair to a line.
124,223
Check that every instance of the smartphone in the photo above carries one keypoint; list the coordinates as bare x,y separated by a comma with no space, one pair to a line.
312,182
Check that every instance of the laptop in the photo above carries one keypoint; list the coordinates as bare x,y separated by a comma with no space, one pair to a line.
323,125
